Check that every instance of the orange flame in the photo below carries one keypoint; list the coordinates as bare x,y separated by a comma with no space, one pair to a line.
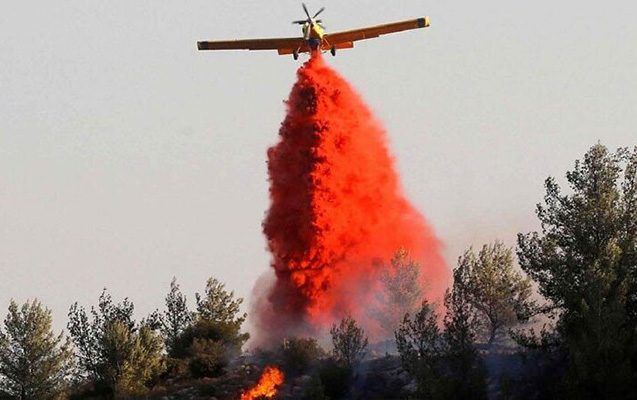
267,386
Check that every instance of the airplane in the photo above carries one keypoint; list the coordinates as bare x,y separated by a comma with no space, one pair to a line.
314,37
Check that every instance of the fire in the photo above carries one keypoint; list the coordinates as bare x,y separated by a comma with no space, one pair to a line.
271,378
337,212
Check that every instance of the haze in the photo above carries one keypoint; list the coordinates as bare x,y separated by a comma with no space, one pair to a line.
128,158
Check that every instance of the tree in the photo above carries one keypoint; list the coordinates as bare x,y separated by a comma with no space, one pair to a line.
497,292
585,264
349,341
114,353
420,347
299,354
176,318
132,358
214,335
466,370
34,363
400,291
445,364
217,304
208,345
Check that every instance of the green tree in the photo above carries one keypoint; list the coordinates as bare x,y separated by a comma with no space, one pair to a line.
421,348
132,358
114,353
585,264
214,336
34,362
498,293
176,318
400,291
467,373
349,341
207,346
217,304
299,354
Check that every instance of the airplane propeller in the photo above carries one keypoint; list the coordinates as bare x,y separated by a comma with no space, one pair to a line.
310,19
306,11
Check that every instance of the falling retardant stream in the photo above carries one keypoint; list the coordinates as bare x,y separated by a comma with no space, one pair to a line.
337,213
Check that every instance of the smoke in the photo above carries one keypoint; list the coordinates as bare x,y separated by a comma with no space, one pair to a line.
337,213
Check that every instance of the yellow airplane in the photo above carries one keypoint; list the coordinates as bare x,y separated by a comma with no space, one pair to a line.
314,37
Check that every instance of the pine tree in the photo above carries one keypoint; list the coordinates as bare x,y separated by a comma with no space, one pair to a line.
400,291
176,318
217,304
499,295
115,354
467,373
585,264
34,363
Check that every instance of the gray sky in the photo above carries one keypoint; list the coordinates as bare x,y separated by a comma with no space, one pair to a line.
128,158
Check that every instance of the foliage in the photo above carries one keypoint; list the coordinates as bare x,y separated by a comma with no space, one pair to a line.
420,347
34,363
400,291
176,318
217,304
114,353
208,345
496,291
207,339
208,358
445,364
132,358
585,264
466,372
349,341
299,354
315,390
336,378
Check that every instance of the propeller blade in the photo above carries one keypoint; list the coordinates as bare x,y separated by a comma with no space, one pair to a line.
306,11
300,22
318,12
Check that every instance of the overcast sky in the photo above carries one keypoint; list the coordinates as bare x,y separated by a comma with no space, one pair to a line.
128,158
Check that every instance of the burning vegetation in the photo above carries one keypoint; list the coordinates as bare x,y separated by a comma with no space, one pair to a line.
267,386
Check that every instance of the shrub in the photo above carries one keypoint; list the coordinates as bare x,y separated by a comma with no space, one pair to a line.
208,358
336,379
298,354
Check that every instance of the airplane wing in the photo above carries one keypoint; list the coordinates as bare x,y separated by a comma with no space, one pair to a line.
285,45
347,37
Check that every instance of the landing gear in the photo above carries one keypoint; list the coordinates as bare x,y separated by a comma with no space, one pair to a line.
295,54
333,51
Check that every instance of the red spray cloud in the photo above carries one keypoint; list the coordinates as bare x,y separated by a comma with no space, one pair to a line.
337,213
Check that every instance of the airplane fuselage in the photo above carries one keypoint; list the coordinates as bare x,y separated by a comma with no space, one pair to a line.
313,34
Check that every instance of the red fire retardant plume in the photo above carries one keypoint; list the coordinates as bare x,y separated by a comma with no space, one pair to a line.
337,214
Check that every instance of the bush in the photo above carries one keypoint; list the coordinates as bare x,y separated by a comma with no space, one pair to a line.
227,333
208,358
207,346
315,390
336,379
299,354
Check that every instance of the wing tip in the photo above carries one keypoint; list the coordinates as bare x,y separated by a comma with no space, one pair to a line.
423,22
